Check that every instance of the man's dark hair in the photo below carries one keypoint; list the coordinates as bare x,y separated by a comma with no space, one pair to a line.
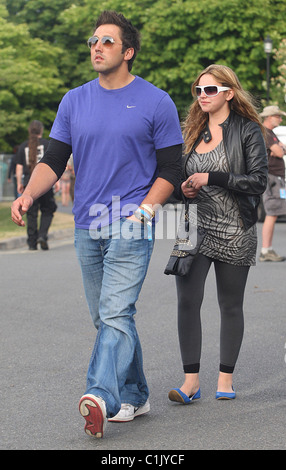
36,129
129,34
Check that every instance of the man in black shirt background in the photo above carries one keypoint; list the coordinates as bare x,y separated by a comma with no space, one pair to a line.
28,155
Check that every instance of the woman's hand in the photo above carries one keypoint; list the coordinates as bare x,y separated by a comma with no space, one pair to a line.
188,191
193,184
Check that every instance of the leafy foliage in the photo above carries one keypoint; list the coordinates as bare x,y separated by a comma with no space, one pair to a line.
30,86
44,53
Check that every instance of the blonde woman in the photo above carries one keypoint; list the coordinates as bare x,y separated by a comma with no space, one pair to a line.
225,172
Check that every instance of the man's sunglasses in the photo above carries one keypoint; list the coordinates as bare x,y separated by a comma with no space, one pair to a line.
107,41
210,90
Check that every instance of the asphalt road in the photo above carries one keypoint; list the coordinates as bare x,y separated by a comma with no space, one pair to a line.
47,338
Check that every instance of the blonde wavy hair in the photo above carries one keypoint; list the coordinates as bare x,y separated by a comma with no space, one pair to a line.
242,103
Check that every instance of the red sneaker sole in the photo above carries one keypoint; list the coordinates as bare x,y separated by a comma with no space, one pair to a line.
91,412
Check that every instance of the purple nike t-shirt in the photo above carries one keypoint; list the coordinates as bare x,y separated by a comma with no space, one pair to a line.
114,136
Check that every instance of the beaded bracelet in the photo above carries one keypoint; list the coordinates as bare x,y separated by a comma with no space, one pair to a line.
145,217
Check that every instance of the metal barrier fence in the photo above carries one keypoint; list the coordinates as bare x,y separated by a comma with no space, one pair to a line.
7,178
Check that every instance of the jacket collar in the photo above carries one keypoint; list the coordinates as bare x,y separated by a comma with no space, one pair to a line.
206,134
227,121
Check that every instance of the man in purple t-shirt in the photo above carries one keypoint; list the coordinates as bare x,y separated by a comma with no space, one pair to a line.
126,141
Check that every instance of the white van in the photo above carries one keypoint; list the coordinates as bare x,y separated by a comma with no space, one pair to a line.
280,131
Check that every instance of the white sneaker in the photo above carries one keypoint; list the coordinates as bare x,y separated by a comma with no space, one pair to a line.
93,410
129,412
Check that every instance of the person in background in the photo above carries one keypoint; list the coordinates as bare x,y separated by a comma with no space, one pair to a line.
126,140
12,174
225,172
65,185
72,178
28,155
274,198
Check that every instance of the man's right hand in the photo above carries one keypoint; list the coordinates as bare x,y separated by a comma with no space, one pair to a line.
19,207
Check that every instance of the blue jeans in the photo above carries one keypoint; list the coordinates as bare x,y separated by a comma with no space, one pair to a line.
113,268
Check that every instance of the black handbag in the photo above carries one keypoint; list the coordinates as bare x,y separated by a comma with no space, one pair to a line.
188,241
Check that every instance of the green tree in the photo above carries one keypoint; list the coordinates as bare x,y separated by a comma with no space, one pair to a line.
278,83
41,16
182,37
30,86
44,52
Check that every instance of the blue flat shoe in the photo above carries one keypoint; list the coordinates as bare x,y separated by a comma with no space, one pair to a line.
225,395
177,395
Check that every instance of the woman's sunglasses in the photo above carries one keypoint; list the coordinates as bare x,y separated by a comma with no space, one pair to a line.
107,41
210,90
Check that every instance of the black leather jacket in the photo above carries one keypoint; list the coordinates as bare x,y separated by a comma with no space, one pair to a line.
247,158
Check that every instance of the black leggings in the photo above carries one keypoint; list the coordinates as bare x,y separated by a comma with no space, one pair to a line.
231,281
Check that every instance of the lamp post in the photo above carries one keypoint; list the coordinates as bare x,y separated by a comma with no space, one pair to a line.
268,49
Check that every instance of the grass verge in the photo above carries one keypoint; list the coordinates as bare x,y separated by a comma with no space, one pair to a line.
9,230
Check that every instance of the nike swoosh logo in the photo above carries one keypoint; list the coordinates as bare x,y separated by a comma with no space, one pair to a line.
131,107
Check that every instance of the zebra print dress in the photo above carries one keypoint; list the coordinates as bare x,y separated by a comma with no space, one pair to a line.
217,212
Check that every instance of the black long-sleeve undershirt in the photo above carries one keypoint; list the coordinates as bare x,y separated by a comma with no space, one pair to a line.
57,156
169,160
